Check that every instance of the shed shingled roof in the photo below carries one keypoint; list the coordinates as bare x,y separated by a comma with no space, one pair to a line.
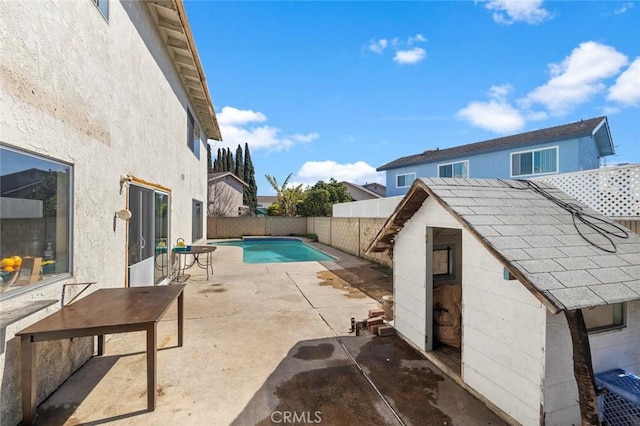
566,131
534,238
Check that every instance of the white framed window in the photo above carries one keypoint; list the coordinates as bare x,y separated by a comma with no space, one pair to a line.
405,180
443,262
197,218
35,221
193,134
534,162
458,169
103,7
603,318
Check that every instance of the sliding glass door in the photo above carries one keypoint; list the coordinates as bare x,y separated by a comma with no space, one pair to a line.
148,237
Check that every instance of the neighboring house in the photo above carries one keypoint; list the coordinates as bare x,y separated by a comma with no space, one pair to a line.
377,188
362,192
105,107
264,202
561,149
522,271
226,194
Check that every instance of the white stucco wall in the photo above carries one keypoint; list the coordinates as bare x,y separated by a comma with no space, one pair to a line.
503,335
609,350
105,98
376,208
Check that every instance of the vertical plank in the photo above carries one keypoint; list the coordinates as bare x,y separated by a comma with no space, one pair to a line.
428,240
583,368
151,365
180,317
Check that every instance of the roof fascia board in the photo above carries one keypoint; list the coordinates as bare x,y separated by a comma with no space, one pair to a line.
186,61
215,134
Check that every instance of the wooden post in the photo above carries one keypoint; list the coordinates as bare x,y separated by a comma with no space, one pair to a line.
583,368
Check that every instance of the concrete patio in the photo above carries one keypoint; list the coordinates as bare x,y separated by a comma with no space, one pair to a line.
266,344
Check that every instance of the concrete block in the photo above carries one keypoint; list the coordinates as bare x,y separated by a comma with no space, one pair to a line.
375,313
375,320
386,330
373,328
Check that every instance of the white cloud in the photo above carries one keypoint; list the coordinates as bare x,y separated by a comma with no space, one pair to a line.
405,53
234,116
500,92
626,90
416,38
624,8
378,46
236,128
411,56
358,172
577,78
509,11
495,115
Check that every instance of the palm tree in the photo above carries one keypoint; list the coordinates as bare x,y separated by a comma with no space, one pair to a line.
287,198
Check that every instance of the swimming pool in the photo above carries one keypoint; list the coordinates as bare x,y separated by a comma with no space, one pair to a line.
275,250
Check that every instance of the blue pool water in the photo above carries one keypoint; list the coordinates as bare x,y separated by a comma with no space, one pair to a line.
275,250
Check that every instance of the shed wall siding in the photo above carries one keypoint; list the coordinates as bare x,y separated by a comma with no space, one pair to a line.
611,349
409,278
503,335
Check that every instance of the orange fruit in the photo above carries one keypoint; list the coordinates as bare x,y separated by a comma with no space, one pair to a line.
7,262
8,269
17,260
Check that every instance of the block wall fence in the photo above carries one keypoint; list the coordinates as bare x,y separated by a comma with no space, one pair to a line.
349,234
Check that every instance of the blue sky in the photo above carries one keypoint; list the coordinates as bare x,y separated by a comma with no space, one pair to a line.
338,88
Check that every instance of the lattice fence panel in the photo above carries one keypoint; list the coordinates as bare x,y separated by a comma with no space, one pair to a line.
613,191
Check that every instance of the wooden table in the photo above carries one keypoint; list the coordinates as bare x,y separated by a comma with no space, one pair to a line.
196,252
106,311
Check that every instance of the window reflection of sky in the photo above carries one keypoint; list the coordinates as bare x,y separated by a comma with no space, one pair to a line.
12,162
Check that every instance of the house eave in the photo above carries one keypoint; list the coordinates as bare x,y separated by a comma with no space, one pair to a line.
172,24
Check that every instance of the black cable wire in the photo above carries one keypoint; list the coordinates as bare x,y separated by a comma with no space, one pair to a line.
577,214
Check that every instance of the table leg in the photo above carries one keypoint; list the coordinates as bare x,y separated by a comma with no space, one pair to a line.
152,354
100,344
180,317
28,350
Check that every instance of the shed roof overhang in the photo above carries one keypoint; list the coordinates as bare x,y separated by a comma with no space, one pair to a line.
171,21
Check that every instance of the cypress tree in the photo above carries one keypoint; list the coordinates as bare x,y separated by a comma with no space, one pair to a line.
230,165
218,163
239,169
209,159
250,194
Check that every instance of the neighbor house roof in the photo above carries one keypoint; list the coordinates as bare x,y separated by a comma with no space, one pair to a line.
367,191
218,176
524,226
598,127
172,24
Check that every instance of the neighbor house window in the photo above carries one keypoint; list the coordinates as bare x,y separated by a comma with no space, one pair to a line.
196,221
538,161
443,262
454,170
405,180
607,317
103,7
35,220
193,134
